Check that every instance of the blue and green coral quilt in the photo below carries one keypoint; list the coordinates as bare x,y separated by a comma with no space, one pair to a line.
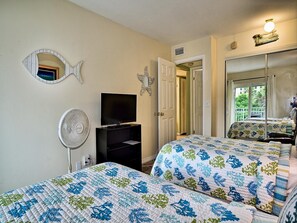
256,129
234,170
110,192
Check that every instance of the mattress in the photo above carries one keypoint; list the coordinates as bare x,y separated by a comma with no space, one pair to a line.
255,129
110,192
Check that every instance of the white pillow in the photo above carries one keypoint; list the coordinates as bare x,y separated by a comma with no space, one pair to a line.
289,211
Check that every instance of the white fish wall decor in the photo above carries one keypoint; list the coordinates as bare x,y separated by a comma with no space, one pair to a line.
50,67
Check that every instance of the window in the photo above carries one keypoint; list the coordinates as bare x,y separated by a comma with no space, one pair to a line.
249,101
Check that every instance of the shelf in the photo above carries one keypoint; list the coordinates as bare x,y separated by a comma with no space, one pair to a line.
121,144
117,146
131,142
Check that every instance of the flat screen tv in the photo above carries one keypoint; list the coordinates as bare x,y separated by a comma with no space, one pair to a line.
118,108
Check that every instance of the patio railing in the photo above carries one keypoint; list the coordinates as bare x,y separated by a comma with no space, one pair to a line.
242,113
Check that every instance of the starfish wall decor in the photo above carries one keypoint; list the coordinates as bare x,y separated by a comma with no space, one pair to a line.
146,81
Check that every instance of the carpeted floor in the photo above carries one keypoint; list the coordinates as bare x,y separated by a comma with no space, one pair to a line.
146,167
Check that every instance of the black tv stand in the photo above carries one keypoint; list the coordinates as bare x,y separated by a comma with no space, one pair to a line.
120,144
117,126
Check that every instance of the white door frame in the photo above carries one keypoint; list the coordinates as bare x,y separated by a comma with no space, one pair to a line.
193,99
191,59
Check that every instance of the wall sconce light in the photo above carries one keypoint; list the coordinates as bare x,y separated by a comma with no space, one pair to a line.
269,36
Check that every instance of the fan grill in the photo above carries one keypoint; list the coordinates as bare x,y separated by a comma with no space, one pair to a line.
74,128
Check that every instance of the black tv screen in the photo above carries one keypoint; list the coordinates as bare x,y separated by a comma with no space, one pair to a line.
118,108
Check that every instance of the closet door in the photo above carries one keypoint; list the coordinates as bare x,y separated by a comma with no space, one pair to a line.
282,82
245,90
281,89
260,90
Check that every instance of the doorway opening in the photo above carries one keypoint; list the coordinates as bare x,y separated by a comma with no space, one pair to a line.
189,98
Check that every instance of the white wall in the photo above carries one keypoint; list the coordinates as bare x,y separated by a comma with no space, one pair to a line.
200,48
30,150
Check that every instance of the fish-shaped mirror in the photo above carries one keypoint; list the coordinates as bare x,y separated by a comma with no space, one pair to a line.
50,67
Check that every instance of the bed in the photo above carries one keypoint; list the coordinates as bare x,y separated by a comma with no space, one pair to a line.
254,128
251,172
110,192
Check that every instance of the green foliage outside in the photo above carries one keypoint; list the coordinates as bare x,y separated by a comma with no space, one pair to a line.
257,100
242,101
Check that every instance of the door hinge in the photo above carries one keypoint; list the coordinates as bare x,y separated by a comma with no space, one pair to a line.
159,113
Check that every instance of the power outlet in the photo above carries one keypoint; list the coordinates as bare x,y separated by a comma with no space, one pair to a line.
77,165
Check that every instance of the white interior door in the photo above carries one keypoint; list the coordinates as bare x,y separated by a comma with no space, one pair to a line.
197,97
166,102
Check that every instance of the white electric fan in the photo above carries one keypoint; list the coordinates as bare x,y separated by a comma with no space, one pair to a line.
74,128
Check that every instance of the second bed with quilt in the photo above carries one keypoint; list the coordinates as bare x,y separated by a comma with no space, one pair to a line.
253,173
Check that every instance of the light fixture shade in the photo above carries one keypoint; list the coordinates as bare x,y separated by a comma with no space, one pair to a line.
269,25
269,36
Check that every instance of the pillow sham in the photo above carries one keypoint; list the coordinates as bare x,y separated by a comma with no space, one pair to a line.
288,213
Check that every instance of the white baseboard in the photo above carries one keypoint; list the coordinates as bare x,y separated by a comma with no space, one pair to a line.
147,159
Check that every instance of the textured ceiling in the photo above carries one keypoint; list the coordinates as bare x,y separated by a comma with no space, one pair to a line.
177,21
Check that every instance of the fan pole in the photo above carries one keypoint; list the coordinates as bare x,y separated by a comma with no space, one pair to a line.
73,131
69,161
